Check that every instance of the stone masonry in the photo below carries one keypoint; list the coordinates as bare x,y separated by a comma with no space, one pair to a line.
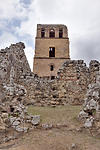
13,56
51,49
70,85
20,87
90,114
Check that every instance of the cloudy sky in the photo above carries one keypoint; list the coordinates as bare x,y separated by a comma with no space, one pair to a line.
18,20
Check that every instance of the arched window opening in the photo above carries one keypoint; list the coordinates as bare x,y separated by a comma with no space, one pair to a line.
60,33
42,33
51,67
52,33
51,51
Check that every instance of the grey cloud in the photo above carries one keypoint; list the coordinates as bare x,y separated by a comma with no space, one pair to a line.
81,17
87,48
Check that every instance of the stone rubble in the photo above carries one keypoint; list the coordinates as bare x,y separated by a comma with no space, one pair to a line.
18,118
89,122
35,120
47,126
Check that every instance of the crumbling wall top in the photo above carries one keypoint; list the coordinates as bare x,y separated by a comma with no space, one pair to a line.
48,27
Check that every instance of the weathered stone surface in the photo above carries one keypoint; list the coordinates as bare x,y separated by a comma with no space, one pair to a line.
16,123
83,115
35,120
69,87
97,115
75,83
89,122
13,56
91,106
47,126
2,125
21,129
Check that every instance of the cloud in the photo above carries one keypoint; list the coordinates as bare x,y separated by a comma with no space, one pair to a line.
6,39
12,9
14,13
20,17
29,53
86,47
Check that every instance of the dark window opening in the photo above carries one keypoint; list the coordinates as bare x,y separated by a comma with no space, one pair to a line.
52,52
43,33
60,33
52,33
52,77
51,68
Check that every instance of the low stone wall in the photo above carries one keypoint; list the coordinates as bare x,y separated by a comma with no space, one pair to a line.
70,86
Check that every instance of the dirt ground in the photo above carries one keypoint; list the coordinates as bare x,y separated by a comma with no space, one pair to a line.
71,137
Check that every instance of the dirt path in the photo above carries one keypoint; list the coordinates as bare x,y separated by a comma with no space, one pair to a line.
55,139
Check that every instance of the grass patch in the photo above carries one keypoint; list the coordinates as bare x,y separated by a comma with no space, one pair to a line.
56,115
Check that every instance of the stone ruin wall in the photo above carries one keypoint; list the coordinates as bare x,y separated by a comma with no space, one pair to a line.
13,56
69,87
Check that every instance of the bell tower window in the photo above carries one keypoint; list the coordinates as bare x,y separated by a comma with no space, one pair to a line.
51,51
60,33
42,33
51,67
52,33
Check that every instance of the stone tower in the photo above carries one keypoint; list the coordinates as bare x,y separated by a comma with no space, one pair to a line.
51,49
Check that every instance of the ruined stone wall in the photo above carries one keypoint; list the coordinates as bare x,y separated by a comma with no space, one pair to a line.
70,86
20,87
13,56
94,67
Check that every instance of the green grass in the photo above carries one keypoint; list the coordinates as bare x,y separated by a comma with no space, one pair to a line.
55,115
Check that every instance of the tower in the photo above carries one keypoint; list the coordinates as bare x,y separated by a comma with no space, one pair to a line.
51,49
